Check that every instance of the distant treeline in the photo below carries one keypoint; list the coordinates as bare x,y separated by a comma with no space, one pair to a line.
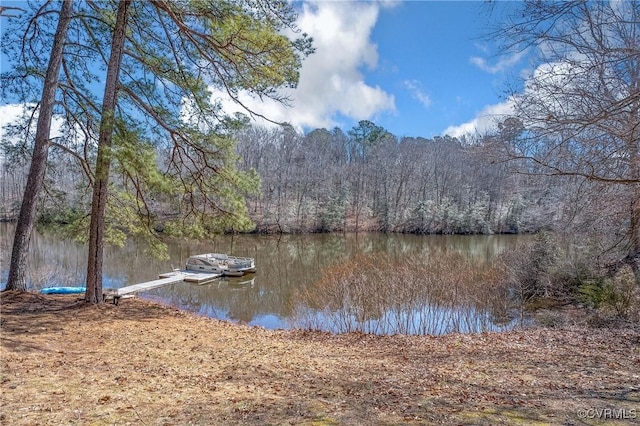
367,179
363,180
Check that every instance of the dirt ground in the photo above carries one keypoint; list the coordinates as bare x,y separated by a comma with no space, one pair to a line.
142,363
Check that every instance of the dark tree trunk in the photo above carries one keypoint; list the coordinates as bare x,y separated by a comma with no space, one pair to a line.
103,162
17,270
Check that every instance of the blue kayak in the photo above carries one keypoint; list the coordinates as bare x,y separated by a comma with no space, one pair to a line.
63,290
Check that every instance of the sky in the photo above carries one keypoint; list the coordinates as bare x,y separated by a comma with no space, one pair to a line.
415,68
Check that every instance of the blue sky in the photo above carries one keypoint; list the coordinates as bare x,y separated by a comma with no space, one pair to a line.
416,68
425,61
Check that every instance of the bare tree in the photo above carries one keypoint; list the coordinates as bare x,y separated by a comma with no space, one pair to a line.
580,108
10,11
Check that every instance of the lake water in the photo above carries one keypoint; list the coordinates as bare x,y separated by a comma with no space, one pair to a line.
287,264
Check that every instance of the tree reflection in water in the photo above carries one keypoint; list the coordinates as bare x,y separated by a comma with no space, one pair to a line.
288,265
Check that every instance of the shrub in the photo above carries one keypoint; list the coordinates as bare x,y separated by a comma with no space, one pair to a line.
550,267
593,293
414,295
621,294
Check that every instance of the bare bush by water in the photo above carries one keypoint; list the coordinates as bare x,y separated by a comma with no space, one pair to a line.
414,295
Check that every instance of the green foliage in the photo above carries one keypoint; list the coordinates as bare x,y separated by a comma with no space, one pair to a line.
202,196
593,294
332,217
172,160
617,294
64,215
367,133
193,188
245,37
549,271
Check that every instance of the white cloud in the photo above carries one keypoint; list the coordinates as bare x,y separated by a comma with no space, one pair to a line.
415,88
9,114
503,64
12,113
545,83
330,80
484,122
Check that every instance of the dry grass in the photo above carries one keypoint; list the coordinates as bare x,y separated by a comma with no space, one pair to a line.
142,363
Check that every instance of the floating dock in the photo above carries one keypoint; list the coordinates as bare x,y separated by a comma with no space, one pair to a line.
192,277
173,277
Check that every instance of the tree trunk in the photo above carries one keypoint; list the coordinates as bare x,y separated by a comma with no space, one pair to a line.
103,162
17,270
